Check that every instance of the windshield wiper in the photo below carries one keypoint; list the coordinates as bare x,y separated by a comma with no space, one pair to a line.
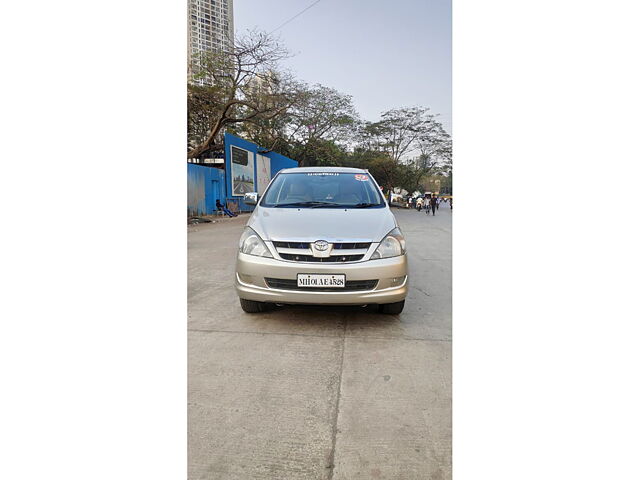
312,204
366,205
321,204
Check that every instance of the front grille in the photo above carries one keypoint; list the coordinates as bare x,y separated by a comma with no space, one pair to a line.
291,245
340,252
311,258
350,285
350,246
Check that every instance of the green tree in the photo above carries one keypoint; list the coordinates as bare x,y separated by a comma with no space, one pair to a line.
386,171
411,175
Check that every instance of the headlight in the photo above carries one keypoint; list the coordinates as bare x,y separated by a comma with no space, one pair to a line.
393,245
252,244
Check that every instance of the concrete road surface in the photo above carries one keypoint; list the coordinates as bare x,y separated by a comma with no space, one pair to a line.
320,392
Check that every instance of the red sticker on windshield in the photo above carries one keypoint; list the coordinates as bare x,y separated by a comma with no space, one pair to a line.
362,178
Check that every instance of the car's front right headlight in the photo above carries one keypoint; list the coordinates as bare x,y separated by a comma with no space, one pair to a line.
393,245
252,244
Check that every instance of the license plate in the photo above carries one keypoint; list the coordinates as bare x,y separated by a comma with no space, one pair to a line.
311,280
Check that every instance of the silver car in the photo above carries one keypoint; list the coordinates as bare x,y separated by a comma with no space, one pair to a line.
321,235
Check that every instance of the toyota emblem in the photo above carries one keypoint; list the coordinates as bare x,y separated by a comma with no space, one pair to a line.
321,245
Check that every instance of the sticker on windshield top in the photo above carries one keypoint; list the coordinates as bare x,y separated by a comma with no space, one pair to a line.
323,173
362,178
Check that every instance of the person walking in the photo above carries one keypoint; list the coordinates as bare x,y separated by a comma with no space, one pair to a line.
224,209
433,203
437,203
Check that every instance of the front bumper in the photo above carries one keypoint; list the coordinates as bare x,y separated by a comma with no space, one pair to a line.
251,272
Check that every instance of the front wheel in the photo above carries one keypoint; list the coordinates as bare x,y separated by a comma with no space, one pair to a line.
391,308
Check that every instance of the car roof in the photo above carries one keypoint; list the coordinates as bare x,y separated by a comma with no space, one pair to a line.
323,169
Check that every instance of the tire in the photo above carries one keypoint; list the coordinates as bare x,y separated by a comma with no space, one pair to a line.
391,308
250,306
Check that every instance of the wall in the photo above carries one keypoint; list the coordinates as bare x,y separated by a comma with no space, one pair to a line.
278,162
204,186
207,184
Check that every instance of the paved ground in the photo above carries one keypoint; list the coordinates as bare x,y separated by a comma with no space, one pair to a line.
320,393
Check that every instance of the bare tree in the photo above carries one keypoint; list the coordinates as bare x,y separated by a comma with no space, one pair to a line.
238,86
435,147
398,131
321,113
316,128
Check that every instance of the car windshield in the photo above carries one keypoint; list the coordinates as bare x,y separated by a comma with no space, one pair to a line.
323,190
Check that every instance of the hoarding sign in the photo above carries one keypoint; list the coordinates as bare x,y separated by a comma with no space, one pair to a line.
242,173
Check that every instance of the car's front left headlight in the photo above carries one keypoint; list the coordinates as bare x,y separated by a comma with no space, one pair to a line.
252,244
393,245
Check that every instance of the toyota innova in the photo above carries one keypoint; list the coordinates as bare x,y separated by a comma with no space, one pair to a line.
321,235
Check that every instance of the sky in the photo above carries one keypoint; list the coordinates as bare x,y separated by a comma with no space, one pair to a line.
384,53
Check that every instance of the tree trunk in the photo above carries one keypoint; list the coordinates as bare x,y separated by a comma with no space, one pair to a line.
208,143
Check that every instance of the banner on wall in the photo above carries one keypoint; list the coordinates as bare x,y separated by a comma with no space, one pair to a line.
263,165
242,174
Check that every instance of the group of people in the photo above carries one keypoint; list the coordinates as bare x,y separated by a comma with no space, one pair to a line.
428,203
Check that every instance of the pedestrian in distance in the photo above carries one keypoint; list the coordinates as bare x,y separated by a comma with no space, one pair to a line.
224,209
437,204
433,203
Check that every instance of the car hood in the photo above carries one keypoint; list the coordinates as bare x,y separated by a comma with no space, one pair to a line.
331,224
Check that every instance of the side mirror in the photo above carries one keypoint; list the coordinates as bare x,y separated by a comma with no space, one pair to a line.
251,198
